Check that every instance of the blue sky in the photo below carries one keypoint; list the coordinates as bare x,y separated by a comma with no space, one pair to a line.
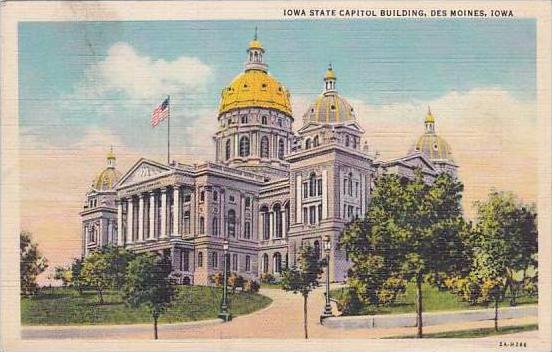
377,61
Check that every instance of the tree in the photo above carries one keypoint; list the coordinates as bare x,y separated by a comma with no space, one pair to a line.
76,268
505,243
303,278
31,264
413,229
63,274
96,273
148,284
118,258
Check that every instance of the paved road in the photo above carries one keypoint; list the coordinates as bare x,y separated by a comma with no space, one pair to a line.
282,319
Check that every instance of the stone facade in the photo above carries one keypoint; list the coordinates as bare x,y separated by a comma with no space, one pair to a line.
269,190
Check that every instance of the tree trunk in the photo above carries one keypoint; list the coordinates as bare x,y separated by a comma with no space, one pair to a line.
305,316
419,307
100,293
496,314
155,336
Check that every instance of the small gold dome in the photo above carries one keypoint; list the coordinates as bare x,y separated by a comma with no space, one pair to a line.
255,44
106,179
429,117
433,146
330,108
330,74
255,88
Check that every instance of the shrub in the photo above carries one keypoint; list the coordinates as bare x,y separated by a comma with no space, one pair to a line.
349,303
391,289
530,286
217,279
235,281
251,286
268,278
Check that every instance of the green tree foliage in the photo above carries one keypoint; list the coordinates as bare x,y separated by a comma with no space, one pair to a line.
76,268
118,258
147,283
504,243
96,273
31,264
413,230
63,274
303,278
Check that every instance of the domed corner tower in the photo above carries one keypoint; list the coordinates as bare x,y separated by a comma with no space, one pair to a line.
255,119
434,147
99,214
330,176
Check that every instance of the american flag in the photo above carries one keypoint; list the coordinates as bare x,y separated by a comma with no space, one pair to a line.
160,113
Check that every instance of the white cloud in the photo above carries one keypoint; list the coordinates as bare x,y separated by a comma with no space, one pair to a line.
142,77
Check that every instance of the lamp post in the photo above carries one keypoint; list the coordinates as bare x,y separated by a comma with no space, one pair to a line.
327,308
224,314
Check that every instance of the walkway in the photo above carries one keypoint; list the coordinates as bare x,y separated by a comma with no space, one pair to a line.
282,319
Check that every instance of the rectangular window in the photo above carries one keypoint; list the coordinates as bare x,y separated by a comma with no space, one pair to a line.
305,190
247,263
202,196
231,198
319,212
200,260
356,189
214,260
319,183
185,261
187,198
312,213
234,262
247,230
305,215
345,186
247,202
350,211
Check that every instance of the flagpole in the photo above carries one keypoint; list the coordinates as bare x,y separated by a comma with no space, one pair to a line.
169,130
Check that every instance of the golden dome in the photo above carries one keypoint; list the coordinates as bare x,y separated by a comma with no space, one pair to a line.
330,74
433,146
106,179
255,44
255,88
429,117
330,108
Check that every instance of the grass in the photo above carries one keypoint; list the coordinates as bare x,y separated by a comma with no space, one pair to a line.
433,300
64,306
482,332
271,285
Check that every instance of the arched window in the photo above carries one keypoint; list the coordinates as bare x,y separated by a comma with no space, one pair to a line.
232,223
264,147
277,258
264,120
265,263
347,141
200,259
266,222
308,143
315,142
186,222
227,153
281,149
244,146
201,224
215,226
247,230
350,184
317,249
312,185
278,220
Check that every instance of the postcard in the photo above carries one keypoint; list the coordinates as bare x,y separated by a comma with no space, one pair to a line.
248,175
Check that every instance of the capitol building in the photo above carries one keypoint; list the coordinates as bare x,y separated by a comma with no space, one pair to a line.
269,190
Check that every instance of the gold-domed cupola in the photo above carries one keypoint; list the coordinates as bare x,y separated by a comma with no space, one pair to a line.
430,144
107,179
330,107
255,87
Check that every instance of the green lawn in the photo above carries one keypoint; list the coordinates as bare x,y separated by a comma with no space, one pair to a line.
433,300
273,285
482,332
64,306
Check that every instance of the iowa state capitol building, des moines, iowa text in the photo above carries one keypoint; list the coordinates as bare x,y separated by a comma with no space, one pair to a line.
270,189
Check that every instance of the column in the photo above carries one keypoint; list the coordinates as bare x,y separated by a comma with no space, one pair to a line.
141,218
242,215
130,221
176,210
163,215
151,234
271,224
260,226
284,224
120,239
86,239
325,213
298,199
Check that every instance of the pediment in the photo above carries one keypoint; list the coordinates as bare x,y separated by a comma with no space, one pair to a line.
413,161
143,170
